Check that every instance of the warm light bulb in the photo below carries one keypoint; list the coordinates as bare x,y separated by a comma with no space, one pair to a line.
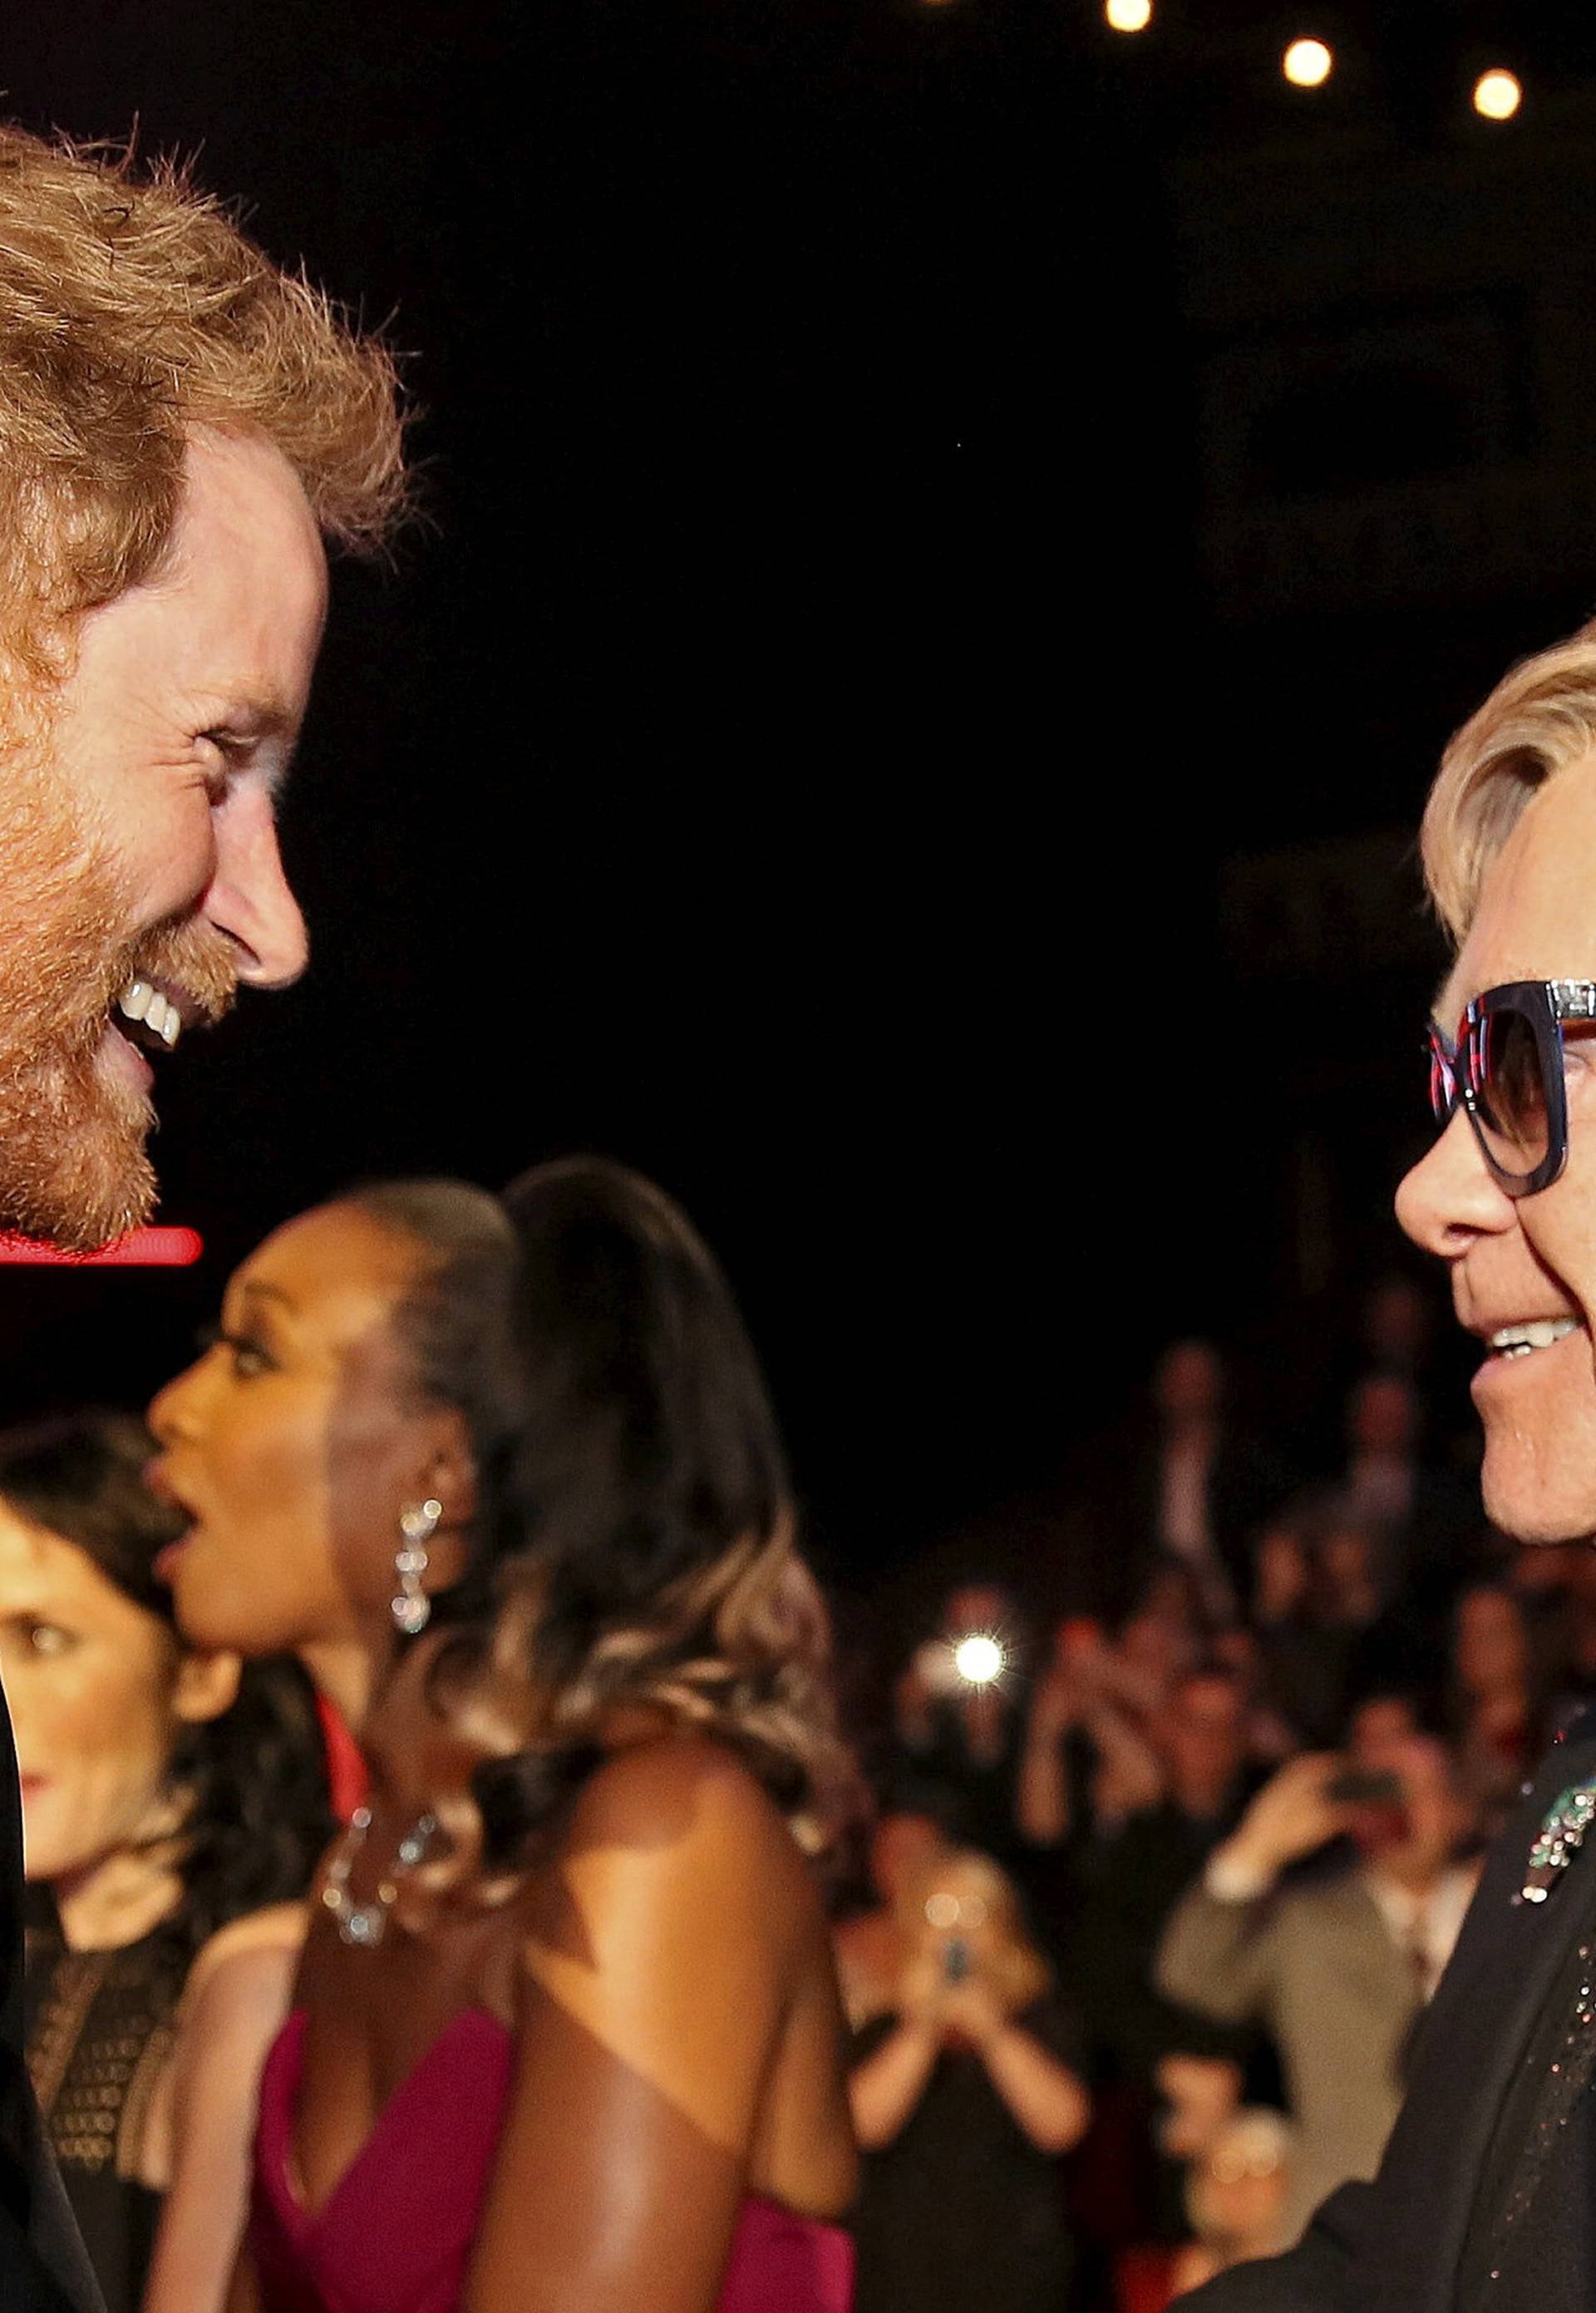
1306,64
979,1660
1497,94
1128,15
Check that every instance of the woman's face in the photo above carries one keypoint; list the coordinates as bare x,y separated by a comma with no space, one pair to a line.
294,1442
92,1680
956,1908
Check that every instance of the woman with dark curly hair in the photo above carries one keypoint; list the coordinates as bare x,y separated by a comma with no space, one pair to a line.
566,2033
174,1807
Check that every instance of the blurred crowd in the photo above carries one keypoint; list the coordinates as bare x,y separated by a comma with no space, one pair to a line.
1170,1846
1174,1840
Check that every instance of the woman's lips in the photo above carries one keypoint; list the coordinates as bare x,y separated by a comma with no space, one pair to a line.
165,1560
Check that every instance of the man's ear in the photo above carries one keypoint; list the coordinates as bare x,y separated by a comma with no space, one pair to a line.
207,1683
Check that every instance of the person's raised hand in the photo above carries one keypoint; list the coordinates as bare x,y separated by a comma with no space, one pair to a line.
972,2011
1054,1705
918,1999
1292,1815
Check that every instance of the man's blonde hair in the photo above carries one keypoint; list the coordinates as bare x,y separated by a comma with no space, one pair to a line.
132,310
1540,719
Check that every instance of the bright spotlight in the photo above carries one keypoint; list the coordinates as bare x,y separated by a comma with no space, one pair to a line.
1127,15
979,1660
1497,96
1306,64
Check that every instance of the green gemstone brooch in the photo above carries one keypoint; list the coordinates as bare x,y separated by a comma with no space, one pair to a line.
1560,1838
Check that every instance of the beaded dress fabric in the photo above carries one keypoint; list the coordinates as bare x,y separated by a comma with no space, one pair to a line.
100,2030
1531,2238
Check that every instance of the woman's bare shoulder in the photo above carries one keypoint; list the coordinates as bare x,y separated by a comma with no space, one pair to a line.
668,1830
261,1943
679,1792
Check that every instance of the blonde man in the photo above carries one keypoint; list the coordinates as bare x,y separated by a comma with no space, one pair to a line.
1487,2196
181,425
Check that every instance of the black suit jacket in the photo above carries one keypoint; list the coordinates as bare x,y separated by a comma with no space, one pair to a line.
43,2266
1397,2246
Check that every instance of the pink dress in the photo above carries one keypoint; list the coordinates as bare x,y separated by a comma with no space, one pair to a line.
395,2235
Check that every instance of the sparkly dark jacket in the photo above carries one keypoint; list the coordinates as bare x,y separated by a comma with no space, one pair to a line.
1487,2196
43,2267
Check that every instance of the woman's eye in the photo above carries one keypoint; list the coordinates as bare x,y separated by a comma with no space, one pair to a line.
246,1356
48,1639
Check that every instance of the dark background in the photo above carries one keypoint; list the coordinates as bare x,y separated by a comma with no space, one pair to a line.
955,541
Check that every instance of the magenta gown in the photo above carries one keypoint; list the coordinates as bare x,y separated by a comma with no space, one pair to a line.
395,2235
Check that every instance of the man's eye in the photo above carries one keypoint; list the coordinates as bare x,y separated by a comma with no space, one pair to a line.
48,1638
1578,1052
222,752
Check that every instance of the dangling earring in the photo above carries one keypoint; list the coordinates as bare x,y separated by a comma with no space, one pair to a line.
410,1606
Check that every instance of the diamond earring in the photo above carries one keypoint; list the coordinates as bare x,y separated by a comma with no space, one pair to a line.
410,1606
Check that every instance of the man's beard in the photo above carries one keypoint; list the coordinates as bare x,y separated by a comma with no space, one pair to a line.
74,1167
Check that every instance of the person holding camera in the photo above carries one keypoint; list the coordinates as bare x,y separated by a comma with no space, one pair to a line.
958,1715
1338,1961
965,2092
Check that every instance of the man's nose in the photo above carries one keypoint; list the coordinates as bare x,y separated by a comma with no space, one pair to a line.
250,900
1450,1195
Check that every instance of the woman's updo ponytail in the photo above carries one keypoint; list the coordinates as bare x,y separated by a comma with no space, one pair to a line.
647,1566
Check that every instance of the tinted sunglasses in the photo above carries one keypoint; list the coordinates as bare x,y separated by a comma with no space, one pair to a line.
1507,1069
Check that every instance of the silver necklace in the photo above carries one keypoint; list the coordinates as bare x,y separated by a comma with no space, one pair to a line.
364,1925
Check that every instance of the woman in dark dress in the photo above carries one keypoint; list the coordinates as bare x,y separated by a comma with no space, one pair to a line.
965,2094
166,1801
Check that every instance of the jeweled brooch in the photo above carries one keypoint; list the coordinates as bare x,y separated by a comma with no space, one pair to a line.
1559,1840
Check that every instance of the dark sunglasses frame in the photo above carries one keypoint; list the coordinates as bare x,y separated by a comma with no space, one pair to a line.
1459,1071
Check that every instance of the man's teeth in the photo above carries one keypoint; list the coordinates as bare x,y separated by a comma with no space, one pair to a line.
1519,1340
139,1002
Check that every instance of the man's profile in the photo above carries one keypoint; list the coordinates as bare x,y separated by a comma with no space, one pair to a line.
180,424
1486,2194
183,426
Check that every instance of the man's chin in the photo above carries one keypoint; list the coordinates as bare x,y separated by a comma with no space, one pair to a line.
1533,1510
74,1166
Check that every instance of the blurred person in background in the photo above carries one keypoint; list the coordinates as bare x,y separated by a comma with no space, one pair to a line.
1198,2094
1089,1761
870,1946
1495,1700
1200,1485
1398,1328
1428,1520
1557,1590
1271,1735
959,1724
1370,1624
175,1818
1131,1875
966,2090
1238,2195
569,1978
1338,1962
